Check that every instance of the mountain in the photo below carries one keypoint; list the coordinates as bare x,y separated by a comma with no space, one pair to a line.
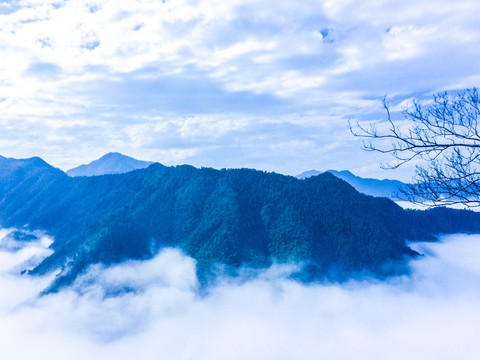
374,187
111,163
224,219
307,174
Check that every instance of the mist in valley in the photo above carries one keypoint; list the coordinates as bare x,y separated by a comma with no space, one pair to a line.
153,309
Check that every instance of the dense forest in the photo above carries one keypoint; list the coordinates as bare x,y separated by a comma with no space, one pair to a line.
232,218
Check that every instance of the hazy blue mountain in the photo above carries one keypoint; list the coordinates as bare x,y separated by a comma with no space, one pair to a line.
232,218
307,174
374,187
111,163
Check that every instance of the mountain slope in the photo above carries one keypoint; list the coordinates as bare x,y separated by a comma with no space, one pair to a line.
231,218
111,163
374,187
307,174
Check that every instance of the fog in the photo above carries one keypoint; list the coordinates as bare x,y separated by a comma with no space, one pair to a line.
153,310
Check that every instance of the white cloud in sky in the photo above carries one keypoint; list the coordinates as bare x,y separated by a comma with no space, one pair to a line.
150,310
75,68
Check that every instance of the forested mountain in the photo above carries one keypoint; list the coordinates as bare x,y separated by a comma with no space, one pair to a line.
111,163
374,187
232,218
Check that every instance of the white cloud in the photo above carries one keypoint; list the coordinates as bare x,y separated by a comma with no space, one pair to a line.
150,310
69,69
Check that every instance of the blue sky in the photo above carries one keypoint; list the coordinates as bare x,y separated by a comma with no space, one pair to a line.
223,83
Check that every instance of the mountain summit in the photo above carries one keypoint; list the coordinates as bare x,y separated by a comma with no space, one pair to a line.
374,187
111,163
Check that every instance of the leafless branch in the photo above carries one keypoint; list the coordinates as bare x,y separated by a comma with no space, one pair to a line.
445,136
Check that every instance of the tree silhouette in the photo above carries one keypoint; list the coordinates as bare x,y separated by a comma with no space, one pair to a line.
444,135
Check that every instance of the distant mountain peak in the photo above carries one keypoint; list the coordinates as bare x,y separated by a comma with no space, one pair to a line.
307,174
115,155
110,163
369,186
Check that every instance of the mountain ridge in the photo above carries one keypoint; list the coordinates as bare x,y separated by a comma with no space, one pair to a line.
369,186
110,163
232,218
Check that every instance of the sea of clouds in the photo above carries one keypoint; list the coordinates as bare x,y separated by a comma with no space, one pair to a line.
153,310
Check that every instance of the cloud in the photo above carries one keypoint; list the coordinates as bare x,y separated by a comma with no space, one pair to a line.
44,70
80,74
151,309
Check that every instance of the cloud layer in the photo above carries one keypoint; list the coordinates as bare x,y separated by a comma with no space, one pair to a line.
151,310
223,84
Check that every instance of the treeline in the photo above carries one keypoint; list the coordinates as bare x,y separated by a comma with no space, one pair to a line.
230,218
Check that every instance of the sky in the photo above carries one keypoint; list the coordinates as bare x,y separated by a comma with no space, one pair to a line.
223,84
430,314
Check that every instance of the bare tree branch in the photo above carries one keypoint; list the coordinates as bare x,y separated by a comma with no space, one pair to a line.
446,137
